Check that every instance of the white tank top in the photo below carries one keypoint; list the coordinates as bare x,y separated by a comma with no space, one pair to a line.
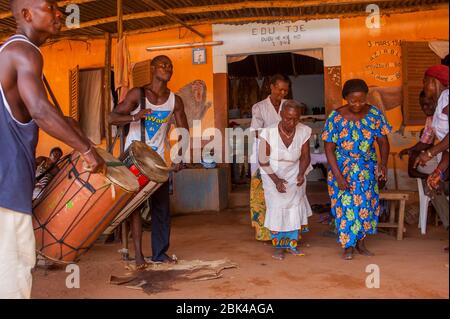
156,125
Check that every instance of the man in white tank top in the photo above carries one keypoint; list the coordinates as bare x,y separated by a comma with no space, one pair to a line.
160,105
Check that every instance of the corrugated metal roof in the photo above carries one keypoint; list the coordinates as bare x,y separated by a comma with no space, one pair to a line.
195,12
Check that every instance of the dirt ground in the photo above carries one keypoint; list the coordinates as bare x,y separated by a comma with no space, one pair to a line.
416,267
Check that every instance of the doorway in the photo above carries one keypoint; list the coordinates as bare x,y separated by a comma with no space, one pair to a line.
249,82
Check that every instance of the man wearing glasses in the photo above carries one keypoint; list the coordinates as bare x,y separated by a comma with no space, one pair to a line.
160,105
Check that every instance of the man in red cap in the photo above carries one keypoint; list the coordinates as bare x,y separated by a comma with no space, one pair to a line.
436,89
435,86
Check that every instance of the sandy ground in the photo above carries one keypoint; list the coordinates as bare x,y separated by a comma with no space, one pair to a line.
416,267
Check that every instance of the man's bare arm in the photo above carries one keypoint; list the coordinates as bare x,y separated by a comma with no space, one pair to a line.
121,114
28,64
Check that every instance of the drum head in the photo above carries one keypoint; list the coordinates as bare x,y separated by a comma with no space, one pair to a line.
119,175
145,159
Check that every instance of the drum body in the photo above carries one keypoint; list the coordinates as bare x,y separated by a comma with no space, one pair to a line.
141,160
77,206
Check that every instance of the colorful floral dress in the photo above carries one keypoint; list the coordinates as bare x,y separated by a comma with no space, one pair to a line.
355,210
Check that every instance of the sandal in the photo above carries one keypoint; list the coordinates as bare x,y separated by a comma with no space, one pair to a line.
348,254
278,254
295,252
166,260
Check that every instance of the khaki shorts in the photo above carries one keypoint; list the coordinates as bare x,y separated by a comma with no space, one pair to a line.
17,254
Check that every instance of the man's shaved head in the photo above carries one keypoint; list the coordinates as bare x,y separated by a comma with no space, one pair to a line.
17,5
159,59
36,18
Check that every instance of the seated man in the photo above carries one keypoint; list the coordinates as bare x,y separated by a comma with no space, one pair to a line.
427,138
46,170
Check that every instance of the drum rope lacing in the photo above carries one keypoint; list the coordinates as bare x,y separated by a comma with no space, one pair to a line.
75,222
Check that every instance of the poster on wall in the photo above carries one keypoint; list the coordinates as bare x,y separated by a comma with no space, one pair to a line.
199,56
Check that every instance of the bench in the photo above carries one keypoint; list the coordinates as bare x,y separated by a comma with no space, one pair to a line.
393,197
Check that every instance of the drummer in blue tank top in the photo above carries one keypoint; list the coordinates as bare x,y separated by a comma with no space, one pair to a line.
160,105
24,108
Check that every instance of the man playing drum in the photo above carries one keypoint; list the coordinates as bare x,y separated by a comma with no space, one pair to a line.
160,105
24,107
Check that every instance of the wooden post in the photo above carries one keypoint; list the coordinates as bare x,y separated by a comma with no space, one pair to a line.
294,69
119,19
401,219
119,37
120,128
258,71
107,87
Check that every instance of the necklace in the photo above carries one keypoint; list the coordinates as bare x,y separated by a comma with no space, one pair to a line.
285,134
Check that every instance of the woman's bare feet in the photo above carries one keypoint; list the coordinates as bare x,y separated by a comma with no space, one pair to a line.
278,254
361,248
348,253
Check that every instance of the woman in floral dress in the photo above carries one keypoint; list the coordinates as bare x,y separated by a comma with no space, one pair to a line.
350,134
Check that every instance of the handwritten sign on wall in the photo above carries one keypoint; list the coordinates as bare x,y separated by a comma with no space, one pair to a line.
384,62
278,36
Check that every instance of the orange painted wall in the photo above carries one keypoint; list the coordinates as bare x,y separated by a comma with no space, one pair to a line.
59,59
63,56
360,45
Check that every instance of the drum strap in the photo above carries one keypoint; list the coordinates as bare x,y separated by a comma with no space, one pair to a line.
142,106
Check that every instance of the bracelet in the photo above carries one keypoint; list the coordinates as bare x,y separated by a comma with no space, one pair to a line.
88,151
427,152
440,173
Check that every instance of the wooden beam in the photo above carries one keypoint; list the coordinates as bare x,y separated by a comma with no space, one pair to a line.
8,14
294,69
247,19
172,17
119,19
223,8
289,18
258,71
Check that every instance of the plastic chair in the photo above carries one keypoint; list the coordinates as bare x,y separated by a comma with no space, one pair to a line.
424,201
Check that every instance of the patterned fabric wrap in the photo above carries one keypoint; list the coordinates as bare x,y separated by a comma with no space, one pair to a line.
285,240
357,209
258,208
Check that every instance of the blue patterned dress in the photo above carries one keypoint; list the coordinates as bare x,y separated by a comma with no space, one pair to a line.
355,210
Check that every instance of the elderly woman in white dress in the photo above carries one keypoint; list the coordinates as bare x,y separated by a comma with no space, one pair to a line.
284,157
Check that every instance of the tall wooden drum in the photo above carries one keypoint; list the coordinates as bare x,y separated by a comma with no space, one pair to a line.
77,206
151,171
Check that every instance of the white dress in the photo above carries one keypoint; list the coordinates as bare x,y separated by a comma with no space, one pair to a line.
286,211
263,115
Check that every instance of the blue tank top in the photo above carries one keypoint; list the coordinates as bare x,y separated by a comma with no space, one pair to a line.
18,148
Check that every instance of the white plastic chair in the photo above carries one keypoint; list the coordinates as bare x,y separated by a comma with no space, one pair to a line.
424,201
